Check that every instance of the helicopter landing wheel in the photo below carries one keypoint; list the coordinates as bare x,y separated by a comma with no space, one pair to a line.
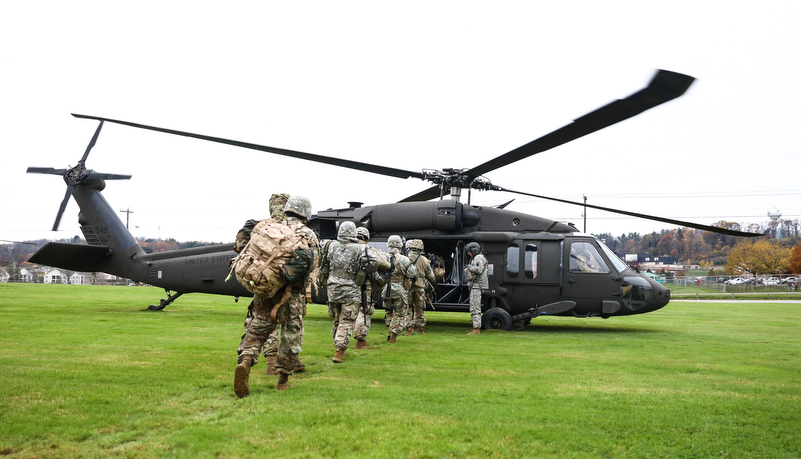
496,319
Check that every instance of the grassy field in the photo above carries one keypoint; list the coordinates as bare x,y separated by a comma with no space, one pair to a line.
88,372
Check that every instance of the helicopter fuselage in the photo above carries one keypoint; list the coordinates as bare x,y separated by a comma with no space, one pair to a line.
531,259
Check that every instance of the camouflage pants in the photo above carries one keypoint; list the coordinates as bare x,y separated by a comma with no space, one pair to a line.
475,306
289,316
270,348
397,316
363,322
416,317
344,319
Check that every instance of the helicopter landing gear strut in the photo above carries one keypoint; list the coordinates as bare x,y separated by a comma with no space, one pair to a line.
163,303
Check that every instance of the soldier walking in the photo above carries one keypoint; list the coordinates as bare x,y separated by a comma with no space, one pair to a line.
341,266
270,349
417,294
377,264
396,292
289,314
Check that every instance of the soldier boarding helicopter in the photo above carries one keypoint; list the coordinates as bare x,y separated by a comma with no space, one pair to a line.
537,266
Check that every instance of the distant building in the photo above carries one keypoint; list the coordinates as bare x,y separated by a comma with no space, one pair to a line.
647,262
25,275
63,276
56,276
80,278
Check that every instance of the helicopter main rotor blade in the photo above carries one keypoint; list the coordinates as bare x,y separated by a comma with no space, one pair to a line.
664,86
91,143
671,221
360,166
63,206
424,195
109,176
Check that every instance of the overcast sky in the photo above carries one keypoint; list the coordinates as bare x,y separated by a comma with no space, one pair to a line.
412,85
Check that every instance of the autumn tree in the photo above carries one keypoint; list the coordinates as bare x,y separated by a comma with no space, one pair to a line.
761,257
795,260
668,246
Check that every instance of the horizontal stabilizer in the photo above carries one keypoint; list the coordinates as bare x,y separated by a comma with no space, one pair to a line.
74,257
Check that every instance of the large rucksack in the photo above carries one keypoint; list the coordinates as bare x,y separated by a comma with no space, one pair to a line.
258,266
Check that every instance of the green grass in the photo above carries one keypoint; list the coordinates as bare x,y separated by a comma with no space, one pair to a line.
88,372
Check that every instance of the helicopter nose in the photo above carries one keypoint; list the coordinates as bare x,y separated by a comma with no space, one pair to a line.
661,296
643,294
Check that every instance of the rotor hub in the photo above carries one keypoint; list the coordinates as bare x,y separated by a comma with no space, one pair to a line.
457,178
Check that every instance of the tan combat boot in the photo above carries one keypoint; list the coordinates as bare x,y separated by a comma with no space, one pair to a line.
393,338
361,344
422,330
339,357
299,368
410,331
283,382
241,376
474,331
270,360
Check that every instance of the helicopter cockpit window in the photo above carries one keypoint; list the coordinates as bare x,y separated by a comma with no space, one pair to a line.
531,261
513,261
584,257
619,264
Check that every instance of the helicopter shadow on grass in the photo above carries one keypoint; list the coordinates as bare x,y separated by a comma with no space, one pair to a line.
546,326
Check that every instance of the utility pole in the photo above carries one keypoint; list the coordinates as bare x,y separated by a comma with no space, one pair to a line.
585,213
129,212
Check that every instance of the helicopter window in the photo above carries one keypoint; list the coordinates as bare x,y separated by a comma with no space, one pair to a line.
619,264
531,261
584,257
513,261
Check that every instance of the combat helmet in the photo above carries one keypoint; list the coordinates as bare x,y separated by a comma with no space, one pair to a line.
473,248
363,233
415,244
395,242
277,204
347,230
299,206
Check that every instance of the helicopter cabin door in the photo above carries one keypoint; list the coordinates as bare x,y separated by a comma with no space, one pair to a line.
531,271
589,278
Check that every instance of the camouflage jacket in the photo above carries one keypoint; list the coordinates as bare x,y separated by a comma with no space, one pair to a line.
403,274
342,264
424,271
477,272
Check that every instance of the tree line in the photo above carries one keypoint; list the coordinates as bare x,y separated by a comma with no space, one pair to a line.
776,252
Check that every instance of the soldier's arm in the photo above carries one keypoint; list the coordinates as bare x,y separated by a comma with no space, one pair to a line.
475,266
430,275
243,236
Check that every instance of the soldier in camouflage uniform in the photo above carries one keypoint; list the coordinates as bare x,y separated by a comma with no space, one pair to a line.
476,273
341,266
289,315
416,317
378,262
396,292
277,203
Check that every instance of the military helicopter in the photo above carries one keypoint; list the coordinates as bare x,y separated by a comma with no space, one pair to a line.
537,266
